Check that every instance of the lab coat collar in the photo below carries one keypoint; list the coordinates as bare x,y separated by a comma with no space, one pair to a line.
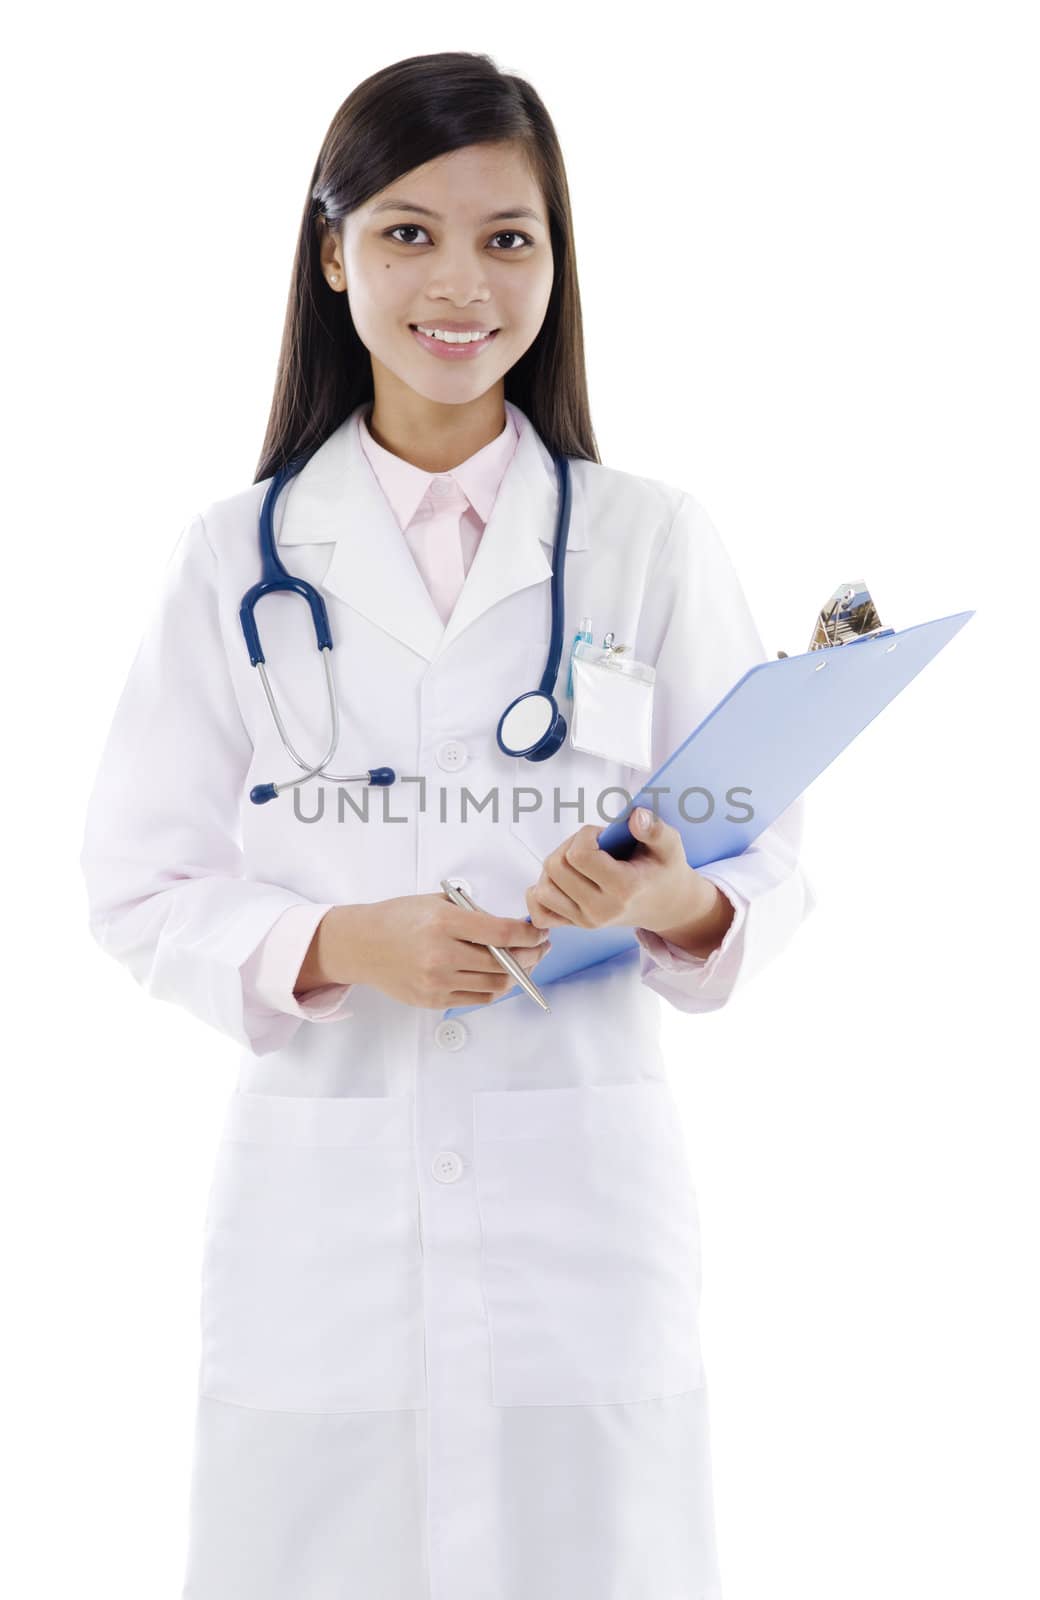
337,499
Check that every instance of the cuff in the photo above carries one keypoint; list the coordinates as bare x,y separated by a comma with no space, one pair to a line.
673,958
276,962
697,983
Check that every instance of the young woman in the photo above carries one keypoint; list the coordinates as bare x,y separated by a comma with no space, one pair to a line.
451,1273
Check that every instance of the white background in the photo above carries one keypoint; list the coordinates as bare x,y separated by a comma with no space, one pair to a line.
808,259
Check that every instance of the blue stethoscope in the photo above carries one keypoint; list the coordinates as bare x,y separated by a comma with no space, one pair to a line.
532,726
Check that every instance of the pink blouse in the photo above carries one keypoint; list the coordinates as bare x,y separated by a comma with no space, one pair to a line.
441,516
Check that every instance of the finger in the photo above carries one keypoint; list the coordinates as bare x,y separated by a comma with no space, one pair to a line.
485,929
470,997
478,958
489,986
552,905
591,900
583,855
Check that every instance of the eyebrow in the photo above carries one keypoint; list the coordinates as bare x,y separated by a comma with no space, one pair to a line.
424,211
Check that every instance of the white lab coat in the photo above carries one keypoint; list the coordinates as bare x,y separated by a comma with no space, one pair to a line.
450,1273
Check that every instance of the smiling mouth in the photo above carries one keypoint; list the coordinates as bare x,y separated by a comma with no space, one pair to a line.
453,350
474,335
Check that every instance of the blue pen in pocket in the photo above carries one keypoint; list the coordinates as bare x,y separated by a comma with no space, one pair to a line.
582,637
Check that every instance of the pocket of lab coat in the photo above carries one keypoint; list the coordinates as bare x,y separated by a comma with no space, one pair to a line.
590,1253
312,1267
613,710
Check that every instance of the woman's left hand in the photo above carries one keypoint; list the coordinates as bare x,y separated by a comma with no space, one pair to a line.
586,887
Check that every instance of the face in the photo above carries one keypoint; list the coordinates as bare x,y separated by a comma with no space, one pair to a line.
446,264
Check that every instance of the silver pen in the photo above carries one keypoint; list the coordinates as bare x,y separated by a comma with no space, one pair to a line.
459,897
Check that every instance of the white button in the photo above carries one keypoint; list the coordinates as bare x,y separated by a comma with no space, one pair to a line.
447,1166
451,1033
451,755
442,488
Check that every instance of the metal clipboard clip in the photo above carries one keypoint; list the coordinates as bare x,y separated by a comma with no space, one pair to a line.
849,616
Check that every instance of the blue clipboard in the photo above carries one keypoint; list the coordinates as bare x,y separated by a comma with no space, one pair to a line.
777,729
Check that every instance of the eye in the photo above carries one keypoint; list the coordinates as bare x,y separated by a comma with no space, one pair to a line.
414,227
403,227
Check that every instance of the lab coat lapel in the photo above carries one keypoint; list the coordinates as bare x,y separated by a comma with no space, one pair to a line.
337,499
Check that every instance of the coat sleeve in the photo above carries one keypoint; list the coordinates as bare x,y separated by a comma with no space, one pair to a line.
161,855
274,967
698,630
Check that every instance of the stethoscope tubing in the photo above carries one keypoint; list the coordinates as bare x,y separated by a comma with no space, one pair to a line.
275,578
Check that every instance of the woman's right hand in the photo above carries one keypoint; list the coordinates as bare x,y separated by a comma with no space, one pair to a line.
426,951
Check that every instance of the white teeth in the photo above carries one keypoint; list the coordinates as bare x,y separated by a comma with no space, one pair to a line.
453,338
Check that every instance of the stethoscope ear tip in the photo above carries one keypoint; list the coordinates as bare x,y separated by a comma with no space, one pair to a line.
263,792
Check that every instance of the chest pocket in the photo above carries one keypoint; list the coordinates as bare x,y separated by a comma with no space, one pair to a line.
312,1265
590,1245
613,710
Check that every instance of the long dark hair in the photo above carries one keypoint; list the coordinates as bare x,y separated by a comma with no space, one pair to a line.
398,119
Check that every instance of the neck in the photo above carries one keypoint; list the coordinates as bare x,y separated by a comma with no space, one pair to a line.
430,435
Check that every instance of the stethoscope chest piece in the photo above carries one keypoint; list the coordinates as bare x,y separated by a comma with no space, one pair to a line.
532,726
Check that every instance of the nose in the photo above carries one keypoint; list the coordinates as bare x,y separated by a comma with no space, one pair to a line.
459,280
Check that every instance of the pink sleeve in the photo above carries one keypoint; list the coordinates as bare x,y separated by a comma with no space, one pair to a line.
275,964
695,983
